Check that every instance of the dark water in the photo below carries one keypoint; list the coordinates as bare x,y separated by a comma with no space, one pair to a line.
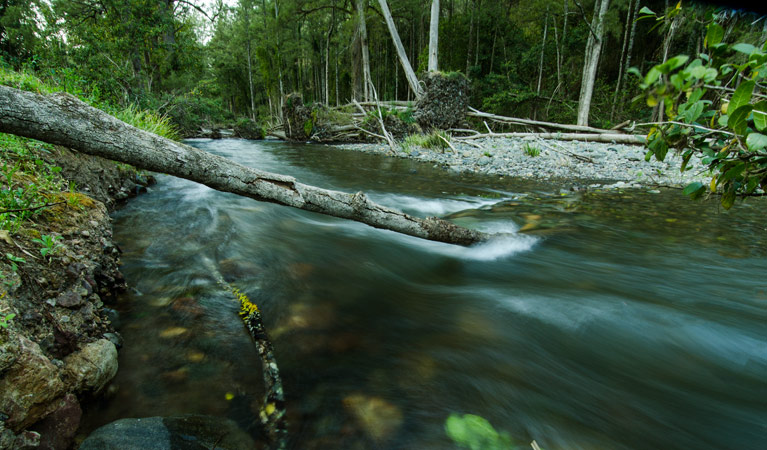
625,321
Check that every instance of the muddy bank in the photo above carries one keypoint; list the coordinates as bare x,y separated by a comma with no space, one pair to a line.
60,273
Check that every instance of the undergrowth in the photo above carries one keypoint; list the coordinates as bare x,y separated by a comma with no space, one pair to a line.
29,182
434,140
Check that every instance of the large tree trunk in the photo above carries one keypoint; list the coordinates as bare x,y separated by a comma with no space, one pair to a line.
64,120
367,80
593,49
434,36
412,80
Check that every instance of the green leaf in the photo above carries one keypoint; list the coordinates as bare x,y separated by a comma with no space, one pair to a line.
692,188
742,96
733,172
475,433
652,76
635,71
737,122
760,115
674,63
728,199
646,10
693,112
742,47
756,141
685,161
714,34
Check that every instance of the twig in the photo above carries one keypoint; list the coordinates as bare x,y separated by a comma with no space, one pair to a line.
448,143
463,130
691,125
473,144
387,135
488,128
566,153
31,209
722,88
371,133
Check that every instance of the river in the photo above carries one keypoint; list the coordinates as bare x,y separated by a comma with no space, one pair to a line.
624,320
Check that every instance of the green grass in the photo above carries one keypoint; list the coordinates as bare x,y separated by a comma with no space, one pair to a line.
28,181
531,151
148,121
433,140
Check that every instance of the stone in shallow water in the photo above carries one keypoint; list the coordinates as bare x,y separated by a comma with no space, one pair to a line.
377,417
166,433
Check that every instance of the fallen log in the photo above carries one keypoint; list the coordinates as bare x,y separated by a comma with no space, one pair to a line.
64,120
586,137
517,121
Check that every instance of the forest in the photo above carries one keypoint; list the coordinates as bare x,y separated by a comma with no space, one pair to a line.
585,304
214,63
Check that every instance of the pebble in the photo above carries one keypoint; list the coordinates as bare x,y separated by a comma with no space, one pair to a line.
623,165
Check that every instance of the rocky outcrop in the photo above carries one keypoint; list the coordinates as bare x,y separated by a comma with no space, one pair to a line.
101,179
57,345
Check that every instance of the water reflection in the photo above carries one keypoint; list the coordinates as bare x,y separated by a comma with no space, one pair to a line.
622,320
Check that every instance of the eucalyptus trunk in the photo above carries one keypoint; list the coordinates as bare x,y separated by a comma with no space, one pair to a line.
593,49
412,80
434,36
363,34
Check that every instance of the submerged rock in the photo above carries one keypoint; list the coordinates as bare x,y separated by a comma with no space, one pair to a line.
166,433
378,418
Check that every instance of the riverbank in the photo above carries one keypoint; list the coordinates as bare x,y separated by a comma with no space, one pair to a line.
582,165
59,269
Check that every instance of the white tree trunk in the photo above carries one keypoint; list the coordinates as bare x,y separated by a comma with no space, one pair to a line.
543,47
62,119
367,80
412,80
434,36
593,49
620,62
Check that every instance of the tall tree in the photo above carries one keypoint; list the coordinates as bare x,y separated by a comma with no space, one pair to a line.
591,60
434,36
412,80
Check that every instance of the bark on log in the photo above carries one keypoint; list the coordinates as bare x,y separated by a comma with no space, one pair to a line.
592,137
517,121
64,120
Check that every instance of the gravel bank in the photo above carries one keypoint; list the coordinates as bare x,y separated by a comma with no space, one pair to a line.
591,164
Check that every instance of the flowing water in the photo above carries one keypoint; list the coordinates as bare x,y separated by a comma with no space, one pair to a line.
623,321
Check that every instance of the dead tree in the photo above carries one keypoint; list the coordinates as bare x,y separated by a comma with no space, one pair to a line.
62,119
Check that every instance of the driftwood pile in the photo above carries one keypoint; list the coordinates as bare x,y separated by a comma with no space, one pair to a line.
393,120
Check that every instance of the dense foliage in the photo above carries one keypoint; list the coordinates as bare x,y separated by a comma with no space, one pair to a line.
716,105
524,58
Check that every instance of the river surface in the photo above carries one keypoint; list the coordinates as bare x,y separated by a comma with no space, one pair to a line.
623,320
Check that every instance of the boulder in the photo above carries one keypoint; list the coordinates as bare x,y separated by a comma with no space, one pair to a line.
166,433
57,430
29,388
90,368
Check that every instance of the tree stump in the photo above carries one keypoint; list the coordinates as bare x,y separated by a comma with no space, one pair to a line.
445,101
297,118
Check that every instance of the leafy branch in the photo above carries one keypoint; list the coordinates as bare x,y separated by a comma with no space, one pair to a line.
723,125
